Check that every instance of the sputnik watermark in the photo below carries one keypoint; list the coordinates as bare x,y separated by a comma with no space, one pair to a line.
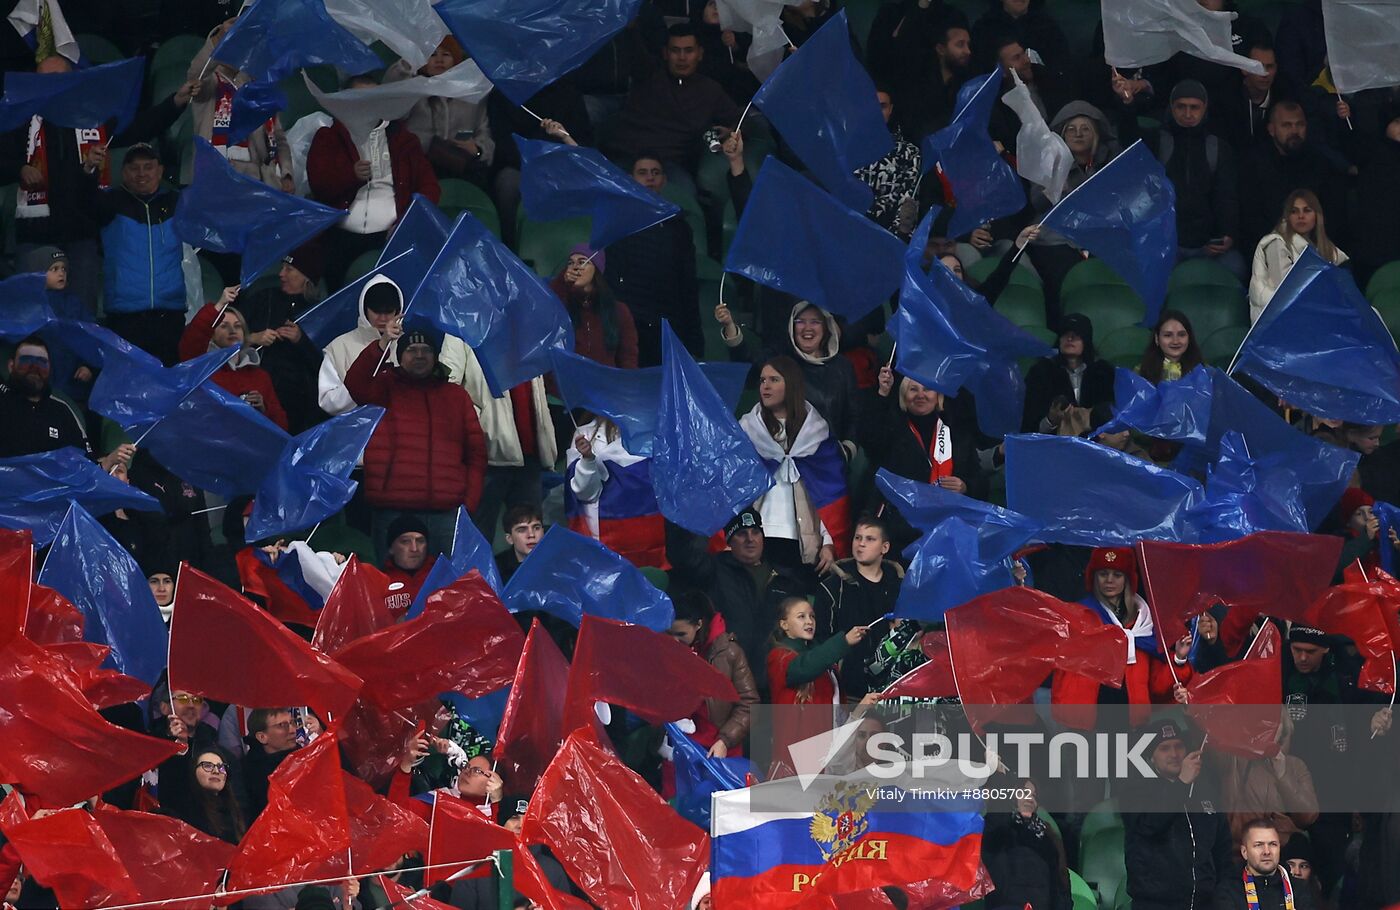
1119,756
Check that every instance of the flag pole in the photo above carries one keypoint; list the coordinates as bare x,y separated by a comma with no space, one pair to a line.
1065,198
1151,599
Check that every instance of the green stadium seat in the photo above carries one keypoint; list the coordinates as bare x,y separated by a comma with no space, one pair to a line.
1102,864
545,245
210,280
1196,272
1081,894
1021,275
1211,309
1090,272
1121,901
98,50
1123,346
1387,278
165,81
463,195
1108,306
861,15
1220,346
361,265
1022,305
177,50
1103,815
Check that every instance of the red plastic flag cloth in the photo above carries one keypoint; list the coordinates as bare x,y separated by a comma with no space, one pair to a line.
165,858
651,674
261,580
373,741
464,641
933,679
1002,646
1276,573
531,881
1364,608
461,836
399,896
533,723
381,831
223,647
68,852
52,617
354,608
612,833
103,688
1237,705
16,578
304,833
55,745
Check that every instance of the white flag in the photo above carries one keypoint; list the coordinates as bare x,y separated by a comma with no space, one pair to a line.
1142,32
362,109
25,19
763,20
1041,155
1362,38
410,28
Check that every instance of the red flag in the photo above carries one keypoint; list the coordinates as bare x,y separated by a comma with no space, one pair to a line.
56,746
224,647
622,844
1276,573
103,688
1364,609
262,581
459,836
304,833
354,608
51,847
650,674
464,641
930,680
399,896
531,881
16,578
1002,646
165,858
533,723
52,618
12,811
1237,705
373,740
381,832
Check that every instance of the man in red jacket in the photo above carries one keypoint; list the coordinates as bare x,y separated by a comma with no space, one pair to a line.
408,564
428,455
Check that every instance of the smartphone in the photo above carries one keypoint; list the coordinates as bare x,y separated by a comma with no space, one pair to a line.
464,135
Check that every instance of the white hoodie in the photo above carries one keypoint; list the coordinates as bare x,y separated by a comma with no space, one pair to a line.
332,395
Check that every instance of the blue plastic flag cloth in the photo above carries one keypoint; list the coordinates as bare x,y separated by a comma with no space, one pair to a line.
480,291
947,337
273,39
568,575
698,775
311,481
87,566
949,568
139,392
24,306
1389,517
704,467
985,186
81,99
1089,495
1321,347
423,228
632,398
1246,494
469,550
1125,214
1178,409
253,105
88,343
484,714
36,491
340,312
228,212
1130,389
565,181
216,441
289,572
524,45
797,238
822,102
1000,532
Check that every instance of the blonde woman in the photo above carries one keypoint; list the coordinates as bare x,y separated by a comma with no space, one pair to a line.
1302,225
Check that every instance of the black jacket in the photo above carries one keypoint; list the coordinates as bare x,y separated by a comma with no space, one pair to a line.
1229,895
293,366
1178,851
654,272
1266,179
31,427
846,599
1024,865
1207,204
1036,30
1047,379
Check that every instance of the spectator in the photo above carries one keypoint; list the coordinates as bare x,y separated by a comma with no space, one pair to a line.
620,66
858,592
1302,225
210,805
721,726
374,182
291,359
603,326
162,582
271,739
928,102
900,46
523,526
563,117
34,420
654,271
1302,42
793,438
409,561
893,179
264,153
428,455
1025,856
1242,116
1172,351
1272,170
1050,89
1263,884
726,53
1278,790
1376,233
454,133
221,325
144,297
53,262
381,301
1072,377
1029,23
609,495
1296,857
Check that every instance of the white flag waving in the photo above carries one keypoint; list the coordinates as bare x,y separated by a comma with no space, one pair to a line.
25,19
409,28
1362,38
1041,156
762,19
1142,32
361,109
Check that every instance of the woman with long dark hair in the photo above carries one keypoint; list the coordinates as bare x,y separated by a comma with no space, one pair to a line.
603,326
210,803
1173,351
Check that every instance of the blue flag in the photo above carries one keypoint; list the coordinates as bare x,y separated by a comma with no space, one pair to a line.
484,713
228,212
24,306
36,491
985,186
253,105
1321,347
289,571
564,181
423,228
216,441
92,570
569,576
822,102
704,467
139,392
1125,214
948,569
81,99
480,291
469,551
524,45
698,775
797,238
947,337
340,312
1245,494
311,481
88,343
1000,532
632,398
273,39
1089,495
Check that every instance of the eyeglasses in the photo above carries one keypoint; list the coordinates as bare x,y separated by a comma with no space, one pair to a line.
480,772
284,725
213,767
187,699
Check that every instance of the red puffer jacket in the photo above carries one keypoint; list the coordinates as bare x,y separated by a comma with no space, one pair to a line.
429,451
330,167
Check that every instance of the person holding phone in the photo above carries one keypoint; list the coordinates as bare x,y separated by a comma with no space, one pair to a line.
455,134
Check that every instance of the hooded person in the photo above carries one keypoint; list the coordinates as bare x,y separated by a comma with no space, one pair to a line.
1072,377
381,300
223,325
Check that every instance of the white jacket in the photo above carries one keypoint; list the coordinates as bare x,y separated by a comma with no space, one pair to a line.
590,474
331,393
1273,258
496,414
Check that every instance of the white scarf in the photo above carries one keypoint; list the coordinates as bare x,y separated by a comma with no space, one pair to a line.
1141,626
814,432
